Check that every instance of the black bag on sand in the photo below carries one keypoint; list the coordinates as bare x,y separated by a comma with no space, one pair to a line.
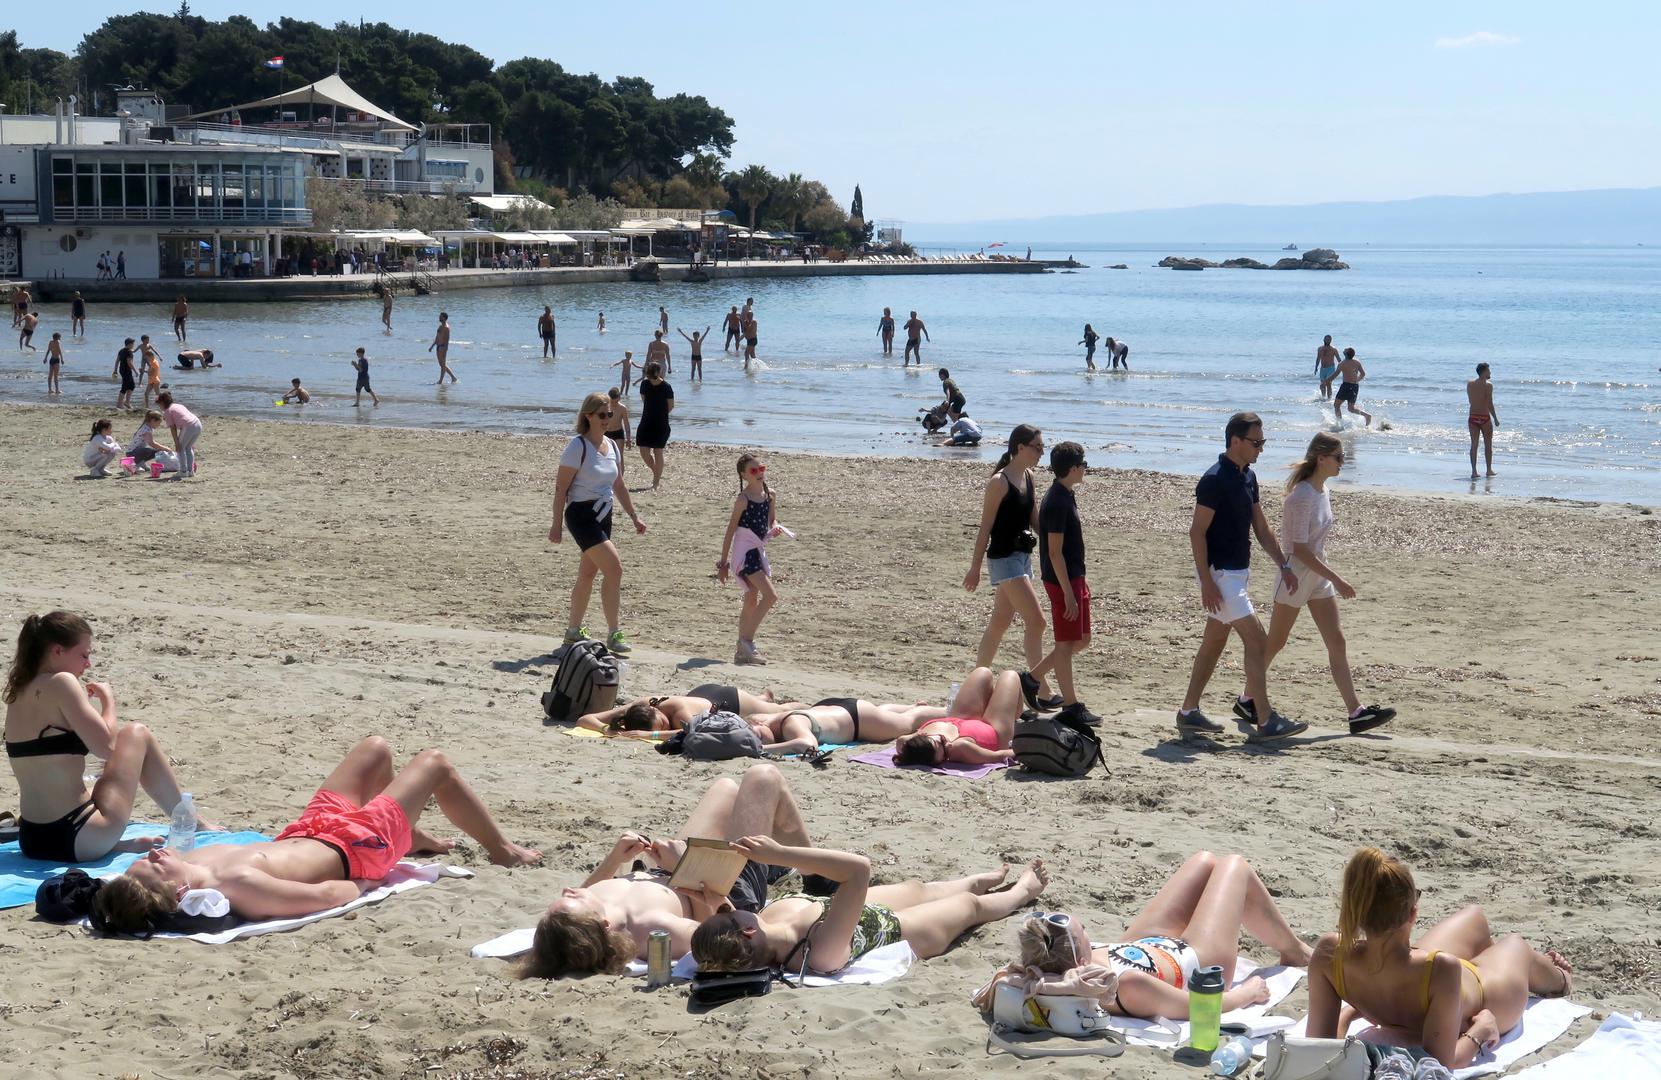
1055,745
712,988
586,682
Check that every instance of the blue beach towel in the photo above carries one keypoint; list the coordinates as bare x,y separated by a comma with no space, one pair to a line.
20,877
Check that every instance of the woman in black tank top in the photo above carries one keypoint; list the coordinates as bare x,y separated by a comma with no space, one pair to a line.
1007,537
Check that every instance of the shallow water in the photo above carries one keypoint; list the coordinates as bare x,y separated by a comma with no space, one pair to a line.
1571,335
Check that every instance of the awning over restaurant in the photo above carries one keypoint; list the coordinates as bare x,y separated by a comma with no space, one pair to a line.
503,203
329,90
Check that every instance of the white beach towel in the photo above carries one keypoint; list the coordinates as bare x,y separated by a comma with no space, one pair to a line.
1544,1020
875,967
1622,1049
1170,1034
403,877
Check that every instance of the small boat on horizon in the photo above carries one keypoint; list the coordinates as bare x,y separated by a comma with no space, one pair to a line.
1290,247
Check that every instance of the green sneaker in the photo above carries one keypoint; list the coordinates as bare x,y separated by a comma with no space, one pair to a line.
617,643
575,634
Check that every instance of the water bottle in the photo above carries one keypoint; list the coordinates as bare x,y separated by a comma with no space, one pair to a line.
951,694
1205,1008
181,837
1231,1057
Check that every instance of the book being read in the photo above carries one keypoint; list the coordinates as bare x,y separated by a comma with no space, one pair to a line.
715,864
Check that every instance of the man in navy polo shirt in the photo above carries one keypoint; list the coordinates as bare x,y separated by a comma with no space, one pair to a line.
1226,514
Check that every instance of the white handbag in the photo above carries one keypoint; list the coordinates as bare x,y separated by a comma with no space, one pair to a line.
1294,1058
1014,1015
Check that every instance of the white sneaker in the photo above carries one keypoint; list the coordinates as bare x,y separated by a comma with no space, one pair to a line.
1394,1067
1431,1069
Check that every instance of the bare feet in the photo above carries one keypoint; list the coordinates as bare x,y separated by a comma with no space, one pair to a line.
981,884
1562,965
1300,958
1033,879
207,824
1491,472
425,843
514,855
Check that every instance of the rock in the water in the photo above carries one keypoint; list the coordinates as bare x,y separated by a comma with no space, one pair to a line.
1244,264
1119,266
1313,259
1179,262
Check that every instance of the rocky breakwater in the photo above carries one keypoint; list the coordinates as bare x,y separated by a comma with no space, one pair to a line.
1313,259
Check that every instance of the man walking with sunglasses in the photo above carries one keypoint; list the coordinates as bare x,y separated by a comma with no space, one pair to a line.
1226,515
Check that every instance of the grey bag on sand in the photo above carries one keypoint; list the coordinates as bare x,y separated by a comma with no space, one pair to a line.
718,736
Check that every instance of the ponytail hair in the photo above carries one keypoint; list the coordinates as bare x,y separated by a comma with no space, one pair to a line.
1023,434
1319,447
99,425
39,633
1378,896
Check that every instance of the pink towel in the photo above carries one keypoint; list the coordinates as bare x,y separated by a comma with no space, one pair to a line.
884,759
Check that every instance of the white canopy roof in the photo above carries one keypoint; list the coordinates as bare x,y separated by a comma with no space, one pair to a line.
390,236
329,90
501,203
554,237
519,238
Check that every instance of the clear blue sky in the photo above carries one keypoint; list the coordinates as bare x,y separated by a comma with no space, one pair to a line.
954,112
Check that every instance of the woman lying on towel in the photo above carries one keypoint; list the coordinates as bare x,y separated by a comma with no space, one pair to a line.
821,936
976,730
53,723
1193,922
356,828
602,924
671,713
1454,993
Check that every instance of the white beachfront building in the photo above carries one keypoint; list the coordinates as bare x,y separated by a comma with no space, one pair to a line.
207,195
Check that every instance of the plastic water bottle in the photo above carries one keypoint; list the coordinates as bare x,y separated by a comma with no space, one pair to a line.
951,694
1205,1008
1232,1056
181,837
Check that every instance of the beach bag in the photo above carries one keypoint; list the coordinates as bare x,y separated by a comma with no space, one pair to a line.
712,988
719,736
1293,1058
1014,1015
1055,745
586,682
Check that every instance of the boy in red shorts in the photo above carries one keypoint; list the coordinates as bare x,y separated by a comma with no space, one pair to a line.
357,827
1061,562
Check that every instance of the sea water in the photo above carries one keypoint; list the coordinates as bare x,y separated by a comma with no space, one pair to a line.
1571,334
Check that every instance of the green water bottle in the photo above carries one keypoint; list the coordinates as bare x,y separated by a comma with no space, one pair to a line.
1205,1008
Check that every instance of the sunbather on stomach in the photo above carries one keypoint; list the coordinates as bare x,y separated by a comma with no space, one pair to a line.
1194,921
356,827
643,717
1455,992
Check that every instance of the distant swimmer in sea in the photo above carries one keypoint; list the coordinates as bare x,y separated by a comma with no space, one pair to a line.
1089,343
1119,353
1326,366
386,307
697,343
1351,372
181,313
750,337
602,322
545,330
663,318
885,330
731,323
1483,419
441,343
627,364
658,350
913,344
54,363
191,359
78,316
360,364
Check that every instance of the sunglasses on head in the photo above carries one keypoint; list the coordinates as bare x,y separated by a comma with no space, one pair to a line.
1059,922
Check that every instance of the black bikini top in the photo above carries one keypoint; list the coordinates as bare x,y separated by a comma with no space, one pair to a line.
65,742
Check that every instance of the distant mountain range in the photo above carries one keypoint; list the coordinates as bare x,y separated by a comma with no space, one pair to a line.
1613,216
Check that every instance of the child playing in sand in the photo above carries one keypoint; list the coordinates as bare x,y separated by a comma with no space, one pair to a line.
298,395
101,449
754,521
627,364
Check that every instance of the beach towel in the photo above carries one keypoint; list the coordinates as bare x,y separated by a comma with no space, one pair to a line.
875,967
20,876
1544,1020
405,876
1170,1034
1622,1048
884,759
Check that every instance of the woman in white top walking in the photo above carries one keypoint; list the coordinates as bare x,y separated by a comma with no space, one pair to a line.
590,480
1306,519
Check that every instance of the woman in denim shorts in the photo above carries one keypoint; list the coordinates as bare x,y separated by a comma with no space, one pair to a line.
1007,537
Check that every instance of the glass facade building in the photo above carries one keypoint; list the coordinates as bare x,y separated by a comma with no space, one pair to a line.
193,185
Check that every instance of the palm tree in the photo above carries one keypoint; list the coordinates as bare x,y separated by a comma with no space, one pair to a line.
754,184
791,198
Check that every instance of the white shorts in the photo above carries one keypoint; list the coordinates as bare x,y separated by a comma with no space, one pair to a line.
1311,586
1237,602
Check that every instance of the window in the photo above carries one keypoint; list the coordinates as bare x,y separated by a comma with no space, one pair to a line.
446,170
161,190
63,182
109,185
86,184
134,183
184,191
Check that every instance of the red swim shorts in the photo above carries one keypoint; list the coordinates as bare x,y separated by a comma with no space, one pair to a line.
371,838
1076,629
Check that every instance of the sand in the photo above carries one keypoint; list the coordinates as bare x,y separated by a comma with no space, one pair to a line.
322,583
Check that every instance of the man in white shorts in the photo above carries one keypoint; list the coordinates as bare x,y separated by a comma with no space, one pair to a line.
1226,514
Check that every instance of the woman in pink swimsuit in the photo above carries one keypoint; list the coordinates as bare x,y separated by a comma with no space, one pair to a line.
977,731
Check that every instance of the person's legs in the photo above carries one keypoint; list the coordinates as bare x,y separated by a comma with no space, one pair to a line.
931,927
1507,969
363,773
1062,661
1488,446
712,816
1256,644
429,774
1325,613
1281,621
1233,897
582,588
187,450
1172,907
747,621
1476,437
114,793
905,894
1465,934
885,722
974,693
605,558
765,806
1003,708
762,588
1003,612
1024,599
1212,643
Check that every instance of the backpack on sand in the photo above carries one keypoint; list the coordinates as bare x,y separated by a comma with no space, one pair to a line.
714,736
1055,745
586,682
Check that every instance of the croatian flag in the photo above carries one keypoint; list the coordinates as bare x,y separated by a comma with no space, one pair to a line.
274,62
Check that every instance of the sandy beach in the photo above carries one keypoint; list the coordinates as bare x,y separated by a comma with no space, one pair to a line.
320,583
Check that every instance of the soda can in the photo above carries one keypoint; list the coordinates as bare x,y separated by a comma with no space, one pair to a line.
657,959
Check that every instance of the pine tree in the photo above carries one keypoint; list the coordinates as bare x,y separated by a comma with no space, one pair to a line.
857,207
184,10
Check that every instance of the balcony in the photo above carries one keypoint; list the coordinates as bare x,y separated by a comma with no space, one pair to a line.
238,215
448,186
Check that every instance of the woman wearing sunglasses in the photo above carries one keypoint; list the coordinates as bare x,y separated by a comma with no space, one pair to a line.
1193,922
1306,518
590,479
754,521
